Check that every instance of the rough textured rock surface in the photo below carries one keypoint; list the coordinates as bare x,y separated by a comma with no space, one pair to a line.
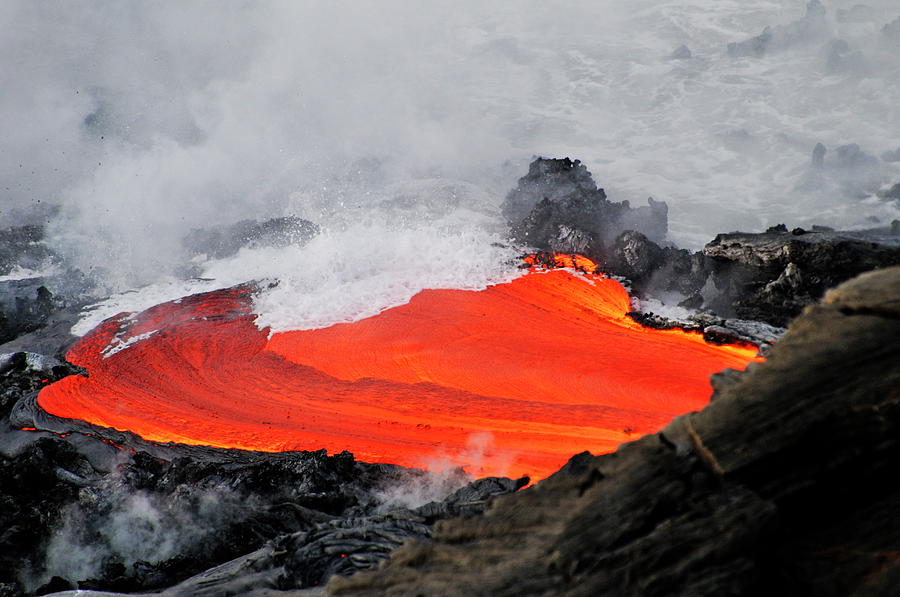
772,276
767,277
36,287
331,545
655,270
25,305
225,241
21,247
557,207
786,484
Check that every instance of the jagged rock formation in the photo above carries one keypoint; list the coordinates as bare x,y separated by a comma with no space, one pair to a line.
557,207
767,277
36,288
891,194
25,305
772,276
225,241
786,484
21,246
25,302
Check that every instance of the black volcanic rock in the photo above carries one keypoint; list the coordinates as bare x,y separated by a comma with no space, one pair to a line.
22,373
557,207
767,277
330,545
771,276
785,484
23,247
225,241
547,178
38,289
34,486
25,305
655,270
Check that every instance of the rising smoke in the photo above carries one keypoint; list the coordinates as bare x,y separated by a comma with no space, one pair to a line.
145,121
114,525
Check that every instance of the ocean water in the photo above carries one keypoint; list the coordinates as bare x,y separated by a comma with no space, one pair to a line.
398,127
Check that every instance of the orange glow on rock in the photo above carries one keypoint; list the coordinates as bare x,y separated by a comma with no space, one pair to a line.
510,380
561,260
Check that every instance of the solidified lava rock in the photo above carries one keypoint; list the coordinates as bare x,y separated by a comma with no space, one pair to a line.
327,546
558,207
785,484
34,486
25,305
653,269
22,246
225,241
41,292
772,276
767,277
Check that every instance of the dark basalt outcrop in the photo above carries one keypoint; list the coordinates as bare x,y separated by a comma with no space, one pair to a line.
772,276
22,246
766,277
40,290
25,305
785,484
557,207
225,241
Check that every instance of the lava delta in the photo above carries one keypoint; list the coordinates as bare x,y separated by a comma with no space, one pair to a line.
509,380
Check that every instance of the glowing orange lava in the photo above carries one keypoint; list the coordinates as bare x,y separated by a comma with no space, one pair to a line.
510,380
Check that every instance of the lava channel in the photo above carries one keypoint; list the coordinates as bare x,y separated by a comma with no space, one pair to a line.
510,380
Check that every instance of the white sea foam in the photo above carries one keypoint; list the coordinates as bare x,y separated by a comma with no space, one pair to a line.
24,273
347,272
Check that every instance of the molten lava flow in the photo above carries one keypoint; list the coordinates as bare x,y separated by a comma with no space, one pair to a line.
510,380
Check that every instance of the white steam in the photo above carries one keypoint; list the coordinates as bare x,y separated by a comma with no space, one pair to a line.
146,120
131,528
447,472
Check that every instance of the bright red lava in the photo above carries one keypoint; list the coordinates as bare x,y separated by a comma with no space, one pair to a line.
510,380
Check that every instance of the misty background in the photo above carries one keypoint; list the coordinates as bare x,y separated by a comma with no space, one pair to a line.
398,127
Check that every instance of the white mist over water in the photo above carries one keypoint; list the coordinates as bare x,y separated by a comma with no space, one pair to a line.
399,126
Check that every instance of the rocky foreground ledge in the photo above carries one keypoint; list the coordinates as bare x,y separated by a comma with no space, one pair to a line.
786,484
